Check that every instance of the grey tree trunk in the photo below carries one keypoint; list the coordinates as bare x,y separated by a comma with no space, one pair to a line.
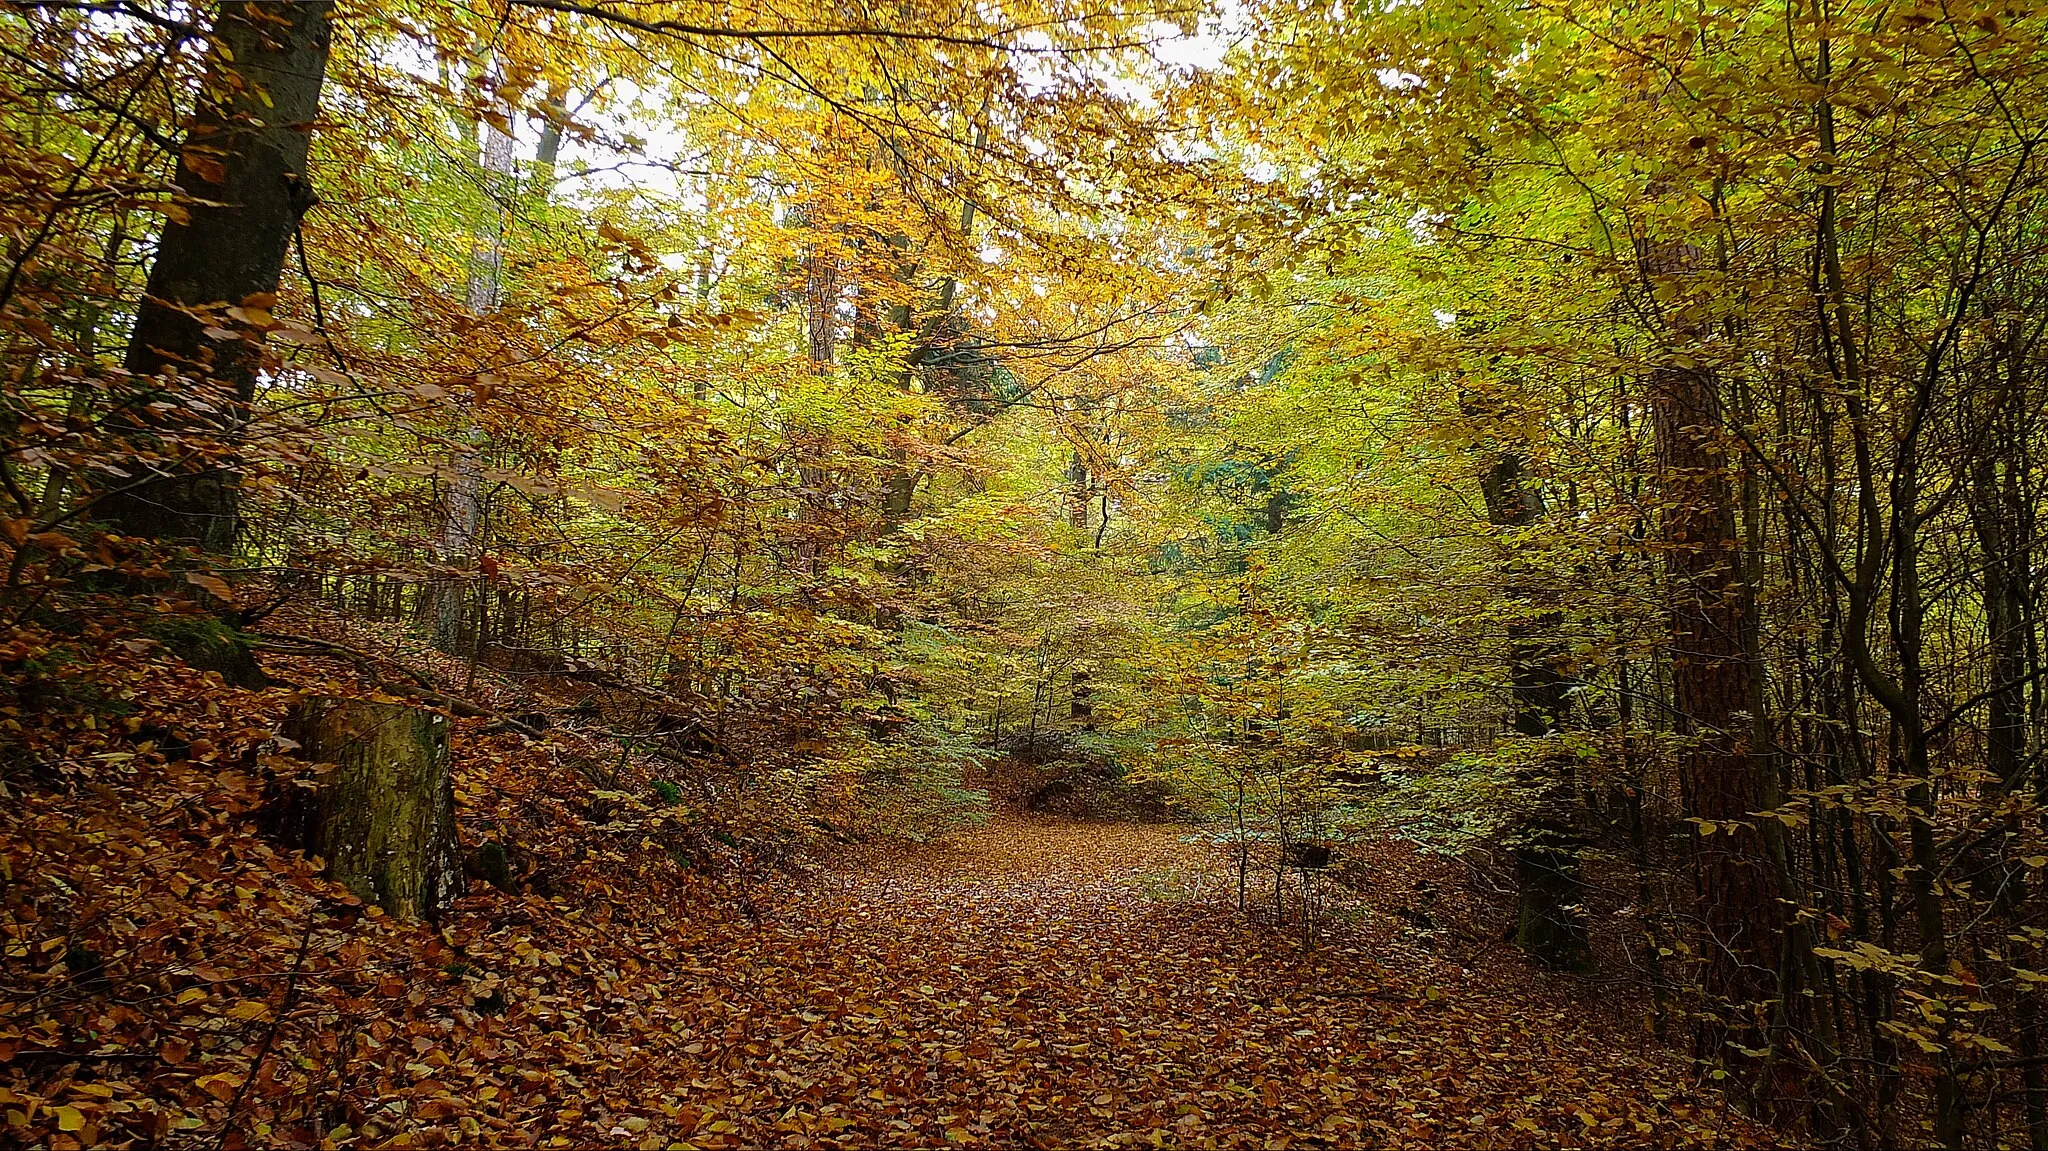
821,329
383,816
242,173
462,517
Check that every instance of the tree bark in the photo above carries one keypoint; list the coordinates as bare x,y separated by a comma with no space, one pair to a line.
463,514
1549,925
383,816
1713,683
822,289
1077,492
2000,515
242,174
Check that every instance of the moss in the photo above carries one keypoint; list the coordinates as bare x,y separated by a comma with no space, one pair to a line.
384,816
210,645
493,864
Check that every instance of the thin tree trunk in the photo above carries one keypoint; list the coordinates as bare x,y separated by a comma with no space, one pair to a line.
462,515
1549,925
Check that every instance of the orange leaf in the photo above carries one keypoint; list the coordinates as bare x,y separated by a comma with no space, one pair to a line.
211,584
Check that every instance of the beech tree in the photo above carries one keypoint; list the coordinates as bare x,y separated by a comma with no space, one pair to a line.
244,186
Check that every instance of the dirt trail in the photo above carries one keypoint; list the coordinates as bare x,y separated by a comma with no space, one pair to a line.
1062,984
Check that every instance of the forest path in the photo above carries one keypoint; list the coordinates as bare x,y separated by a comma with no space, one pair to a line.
1066,984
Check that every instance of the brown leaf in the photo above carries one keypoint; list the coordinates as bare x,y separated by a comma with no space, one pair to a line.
212,585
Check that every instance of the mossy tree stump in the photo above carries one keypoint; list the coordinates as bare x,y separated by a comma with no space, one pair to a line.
383,815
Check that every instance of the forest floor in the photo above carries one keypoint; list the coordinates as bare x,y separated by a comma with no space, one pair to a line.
171,977
1071,984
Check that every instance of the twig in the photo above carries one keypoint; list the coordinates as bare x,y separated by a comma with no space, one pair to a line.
291,995
310,645
428,690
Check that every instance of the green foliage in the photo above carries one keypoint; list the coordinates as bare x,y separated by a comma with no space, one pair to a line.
917,789
1464,801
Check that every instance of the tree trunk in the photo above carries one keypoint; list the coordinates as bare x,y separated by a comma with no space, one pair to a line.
1713,689
1999,513
821,296
462,516
383,817
242,175
1077,492
1549,925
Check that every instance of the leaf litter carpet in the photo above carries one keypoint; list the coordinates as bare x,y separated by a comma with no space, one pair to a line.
1029,983
1071,984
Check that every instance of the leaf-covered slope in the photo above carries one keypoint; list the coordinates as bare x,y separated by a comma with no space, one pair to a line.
1029,983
